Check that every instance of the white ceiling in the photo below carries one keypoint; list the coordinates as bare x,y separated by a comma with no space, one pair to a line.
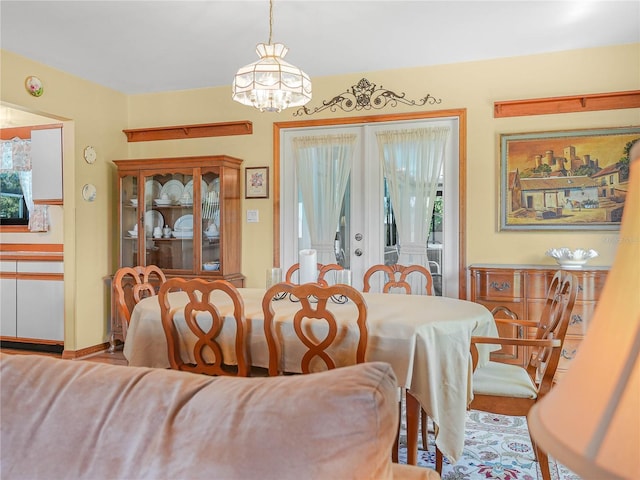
152,46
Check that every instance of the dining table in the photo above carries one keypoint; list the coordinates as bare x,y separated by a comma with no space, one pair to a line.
426,339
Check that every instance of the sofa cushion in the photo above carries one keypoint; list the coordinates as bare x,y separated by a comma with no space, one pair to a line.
75,419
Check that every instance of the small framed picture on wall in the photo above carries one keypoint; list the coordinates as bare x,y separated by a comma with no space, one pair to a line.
256,182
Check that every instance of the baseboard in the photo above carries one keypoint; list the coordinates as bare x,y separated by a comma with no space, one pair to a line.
31,346
73,354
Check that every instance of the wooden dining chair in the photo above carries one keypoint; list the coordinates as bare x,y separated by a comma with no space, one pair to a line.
508,389
316,310
132,284
322,272
325,270
207,350
395,276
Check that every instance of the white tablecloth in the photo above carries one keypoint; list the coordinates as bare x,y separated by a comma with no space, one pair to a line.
426,339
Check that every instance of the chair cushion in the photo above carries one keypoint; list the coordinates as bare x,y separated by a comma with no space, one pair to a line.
503,380
85,420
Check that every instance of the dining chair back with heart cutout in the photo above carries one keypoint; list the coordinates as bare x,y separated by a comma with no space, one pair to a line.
206,349
324,332
508,389
323,271
396,276
132,284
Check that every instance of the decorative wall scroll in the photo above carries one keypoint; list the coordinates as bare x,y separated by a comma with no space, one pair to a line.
365,96
565,180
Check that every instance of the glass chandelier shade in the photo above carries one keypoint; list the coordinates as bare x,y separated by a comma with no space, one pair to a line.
271,84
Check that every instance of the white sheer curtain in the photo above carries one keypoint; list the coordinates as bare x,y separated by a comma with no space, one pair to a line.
16,158
323,164
412,162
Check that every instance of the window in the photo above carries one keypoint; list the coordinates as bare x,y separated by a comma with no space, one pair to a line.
15,182
13,207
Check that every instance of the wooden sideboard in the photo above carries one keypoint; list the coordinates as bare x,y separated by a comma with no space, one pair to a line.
523,290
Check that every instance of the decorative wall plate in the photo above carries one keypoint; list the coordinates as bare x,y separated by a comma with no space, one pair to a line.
89,192
34,86
90,154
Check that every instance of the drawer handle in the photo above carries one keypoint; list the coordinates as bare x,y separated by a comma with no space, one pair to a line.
570,355
580,288
500,286
575,319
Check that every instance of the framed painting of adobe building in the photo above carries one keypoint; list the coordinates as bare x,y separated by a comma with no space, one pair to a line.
564,180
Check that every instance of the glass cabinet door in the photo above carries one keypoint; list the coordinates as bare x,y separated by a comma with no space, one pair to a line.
210,188
129,224
183,215
168,220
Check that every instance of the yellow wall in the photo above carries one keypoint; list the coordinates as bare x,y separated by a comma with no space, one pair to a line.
474,86
91,115
100,114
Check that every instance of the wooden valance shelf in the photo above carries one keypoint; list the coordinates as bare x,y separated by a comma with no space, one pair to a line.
244,127
574,103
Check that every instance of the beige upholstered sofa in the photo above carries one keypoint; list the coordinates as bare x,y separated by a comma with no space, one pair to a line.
74,419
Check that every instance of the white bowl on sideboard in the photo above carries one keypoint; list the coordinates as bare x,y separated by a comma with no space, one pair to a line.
571,259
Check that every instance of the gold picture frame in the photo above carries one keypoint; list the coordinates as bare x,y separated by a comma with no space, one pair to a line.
564,180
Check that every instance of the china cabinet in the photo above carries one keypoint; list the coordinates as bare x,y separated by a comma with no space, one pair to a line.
523,289
181,214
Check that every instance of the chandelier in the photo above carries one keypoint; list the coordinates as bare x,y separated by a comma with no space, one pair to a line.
271,84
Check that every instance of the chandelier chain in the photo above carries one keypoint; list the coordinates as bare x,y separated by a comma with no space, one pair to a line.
270,20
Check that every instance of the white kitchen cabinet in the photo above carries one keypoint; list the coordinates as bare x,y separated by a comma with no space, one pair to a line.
32,301
41,317
46,164
8,298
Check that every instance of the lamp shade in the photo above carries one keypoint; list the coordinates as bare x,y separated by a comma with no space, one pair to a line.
590,421
271,84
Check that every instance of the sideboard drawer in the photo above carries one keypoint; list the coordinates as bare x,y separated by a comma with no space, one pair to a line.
499,285
538,283
580,318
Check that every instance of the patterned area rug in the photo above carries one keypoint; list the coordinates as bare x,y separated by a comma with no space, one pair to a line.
496,446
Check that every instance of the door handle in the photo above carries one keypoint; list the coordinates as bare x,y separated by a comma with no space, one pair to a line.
358,252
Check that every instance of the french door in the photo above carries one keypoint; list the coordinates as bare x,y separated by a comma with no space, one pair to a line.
365,231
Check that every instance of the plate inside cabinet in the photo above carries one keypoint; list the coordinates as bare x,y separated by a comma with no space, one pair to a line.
152,218
173,189
151,190
188,188
184,223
